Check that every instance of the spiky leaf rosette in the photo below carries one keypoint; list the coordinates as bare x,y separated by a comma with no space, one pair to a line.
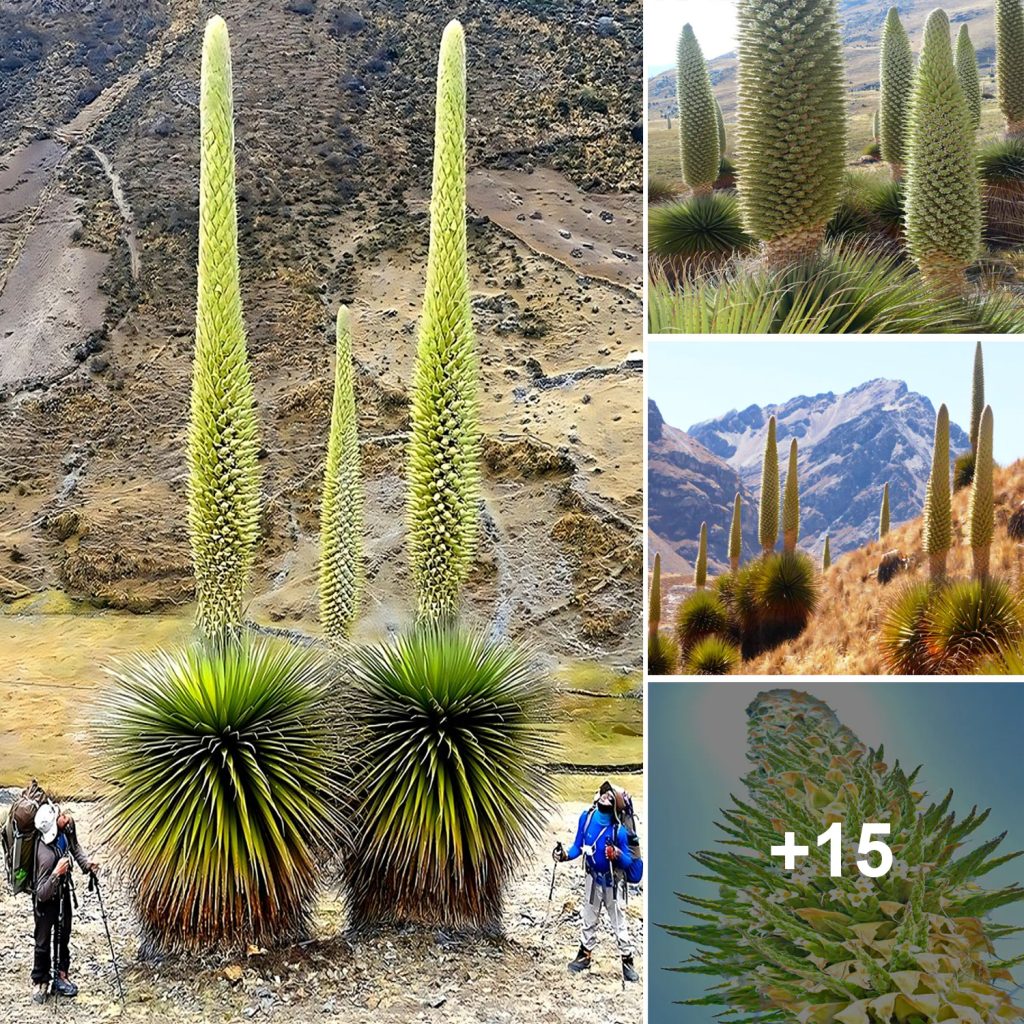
1010,64
791,122
903,637
938,512
700,574
224,769
223,482
980,509
826,555
702,614
736,535
943,204
454,791
713,656
341,510
971,620
977,395
883,514
791,503
966,63
662,654
911,947
896,83
768,515
444,447
698,123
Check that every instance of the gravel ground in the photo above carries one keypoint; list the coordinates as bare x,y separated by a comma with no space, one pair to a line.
408,975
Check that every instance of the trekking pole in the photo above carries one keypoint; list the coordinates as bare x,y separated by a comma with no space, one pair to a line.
94,883
554,868
58,938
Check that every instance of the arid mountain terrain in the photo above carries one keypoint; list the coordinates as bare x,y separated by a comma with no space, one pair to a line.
334,113
862,22
850,445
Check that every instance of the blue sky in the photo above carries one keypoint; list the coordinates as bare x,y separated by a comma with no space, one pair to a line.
737,374
713,21
966,735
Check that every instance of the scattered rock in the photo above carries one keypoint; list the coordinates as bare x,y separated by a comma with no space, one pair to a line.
892,563
607,26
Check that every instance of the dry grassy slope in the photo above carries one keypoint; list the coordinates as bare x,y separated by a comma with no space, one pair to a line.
862,22
334,116
842,636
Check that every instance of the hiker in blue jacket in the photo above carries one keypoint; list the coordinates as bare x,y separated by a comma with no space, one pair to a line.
602,842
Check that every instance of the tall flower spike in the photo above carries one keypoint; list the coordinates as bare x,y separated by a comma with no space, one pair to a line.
977,396
943,209
980,513
896,83
883,515
791,503
341,510
966,63
654,605
938,515
1010,65
223,483
768,518
698,124
826,555
444,449
791,130
735,535
701,569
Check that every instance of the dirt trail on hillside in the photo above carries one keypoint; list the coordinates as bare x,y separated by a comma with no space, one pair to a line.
394,977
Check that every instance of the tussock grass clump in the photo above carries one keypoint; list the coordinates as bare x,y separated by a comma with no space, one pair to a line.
903,636
970,620
697,231
453,789
661,190
844,291
1002,162
713,656
701,614
1015,525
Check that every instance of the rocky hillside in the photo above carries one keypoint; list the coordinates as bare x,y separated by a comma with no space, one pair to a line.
688,485
862,33
334,111
850,445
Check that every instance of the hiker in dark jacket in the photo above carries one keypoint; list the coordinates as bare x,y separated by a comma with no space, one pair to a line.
603,844
58,844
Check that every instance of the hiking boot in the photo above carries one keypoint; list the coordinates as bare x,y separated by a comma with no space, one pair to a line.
582,961
65,988
39,992
628,970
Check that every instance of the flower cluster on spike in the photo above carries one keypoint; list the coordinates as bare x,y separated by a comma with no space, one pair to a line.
966,64
736,535
896,81
701,568
1010,65
791,503
980,509
699,140
223,482
938,523
768,518
791,123
943,206
341,508
826,555
977,395
883,514
444,449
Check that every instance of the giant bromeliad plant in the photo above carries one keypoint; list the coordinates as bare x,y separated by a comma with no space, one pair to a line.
223,482
896,80
915,946
444,451
453,790
699,137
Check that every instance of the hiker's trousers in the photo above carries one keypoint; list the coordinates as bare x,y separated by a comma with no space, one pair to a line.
52,939
614,902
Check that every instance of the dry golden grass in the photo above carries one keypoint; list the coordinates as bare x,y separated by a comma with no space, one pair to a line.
842,638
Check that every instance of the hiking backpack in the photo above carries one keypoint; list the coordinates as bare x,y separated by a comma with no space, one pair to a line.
19,838
625,819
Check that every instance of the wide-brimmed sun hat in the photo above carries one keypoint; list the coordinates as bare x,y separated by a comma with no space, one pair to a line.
46,822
